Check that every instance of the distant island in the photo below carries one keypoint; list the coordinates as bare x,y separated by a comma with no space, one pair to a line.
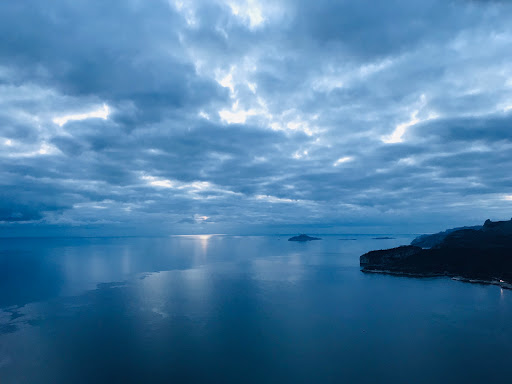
303,238
480,254
383,238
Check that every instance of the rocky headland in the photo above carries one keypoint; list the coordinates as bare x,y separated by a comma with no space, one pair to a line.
475,254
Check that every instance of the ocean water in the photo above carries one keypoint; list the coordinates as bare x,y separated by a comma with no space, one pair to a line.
228,309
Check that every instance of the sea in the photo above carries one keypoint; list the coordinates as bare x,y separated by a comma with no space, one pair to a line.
239,309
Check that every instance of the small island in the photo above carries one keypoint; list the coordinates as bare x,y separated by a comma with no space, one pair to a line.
473,254
303,238
383,238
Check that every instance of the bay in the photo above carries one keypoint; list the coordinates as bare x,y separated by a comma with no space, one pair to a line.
239,309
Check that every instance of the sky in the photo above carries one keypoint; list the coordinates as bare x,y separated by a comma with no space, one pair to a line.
155,117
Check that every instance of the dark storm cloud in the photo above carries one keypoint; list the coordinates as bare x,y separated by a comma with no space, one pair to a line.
222,115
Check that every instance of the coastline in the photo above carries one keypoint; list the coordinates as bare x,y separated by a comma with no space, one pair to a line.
502,284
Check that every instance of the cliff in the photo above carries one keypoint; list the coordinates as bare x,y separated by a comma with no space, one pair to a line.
483,255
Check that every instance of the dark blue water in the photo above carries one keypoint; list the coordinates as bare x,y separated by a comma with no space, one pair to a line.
239,310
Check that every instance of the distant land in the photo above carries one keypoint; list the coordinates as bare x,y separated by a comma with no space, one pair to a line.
303,238
383,238
428,241
481,254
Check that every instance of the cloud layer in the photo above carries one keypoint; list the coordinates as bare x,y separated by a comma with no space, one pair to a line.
247,116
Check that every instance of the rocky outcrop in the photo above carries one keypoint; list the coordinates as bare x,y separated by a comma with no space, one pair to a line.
476,255
303,238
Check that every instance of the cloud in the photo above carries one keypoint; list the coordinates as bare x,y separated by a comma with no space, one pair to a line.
253,115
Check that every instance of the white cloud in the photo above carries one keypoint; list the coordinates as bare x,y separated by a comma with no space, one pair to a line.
204,115
401,129
236,115
300,154
100,113
227,82
43,149
194,190
187,11
156,182
249,11
342,160
200,218
275,199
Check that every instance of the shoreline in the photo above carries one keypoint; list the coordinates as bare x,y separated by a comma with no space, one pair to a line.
502,284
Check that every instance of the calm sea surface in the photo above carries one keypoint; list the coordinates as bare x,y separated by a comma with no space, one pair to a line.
226,309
